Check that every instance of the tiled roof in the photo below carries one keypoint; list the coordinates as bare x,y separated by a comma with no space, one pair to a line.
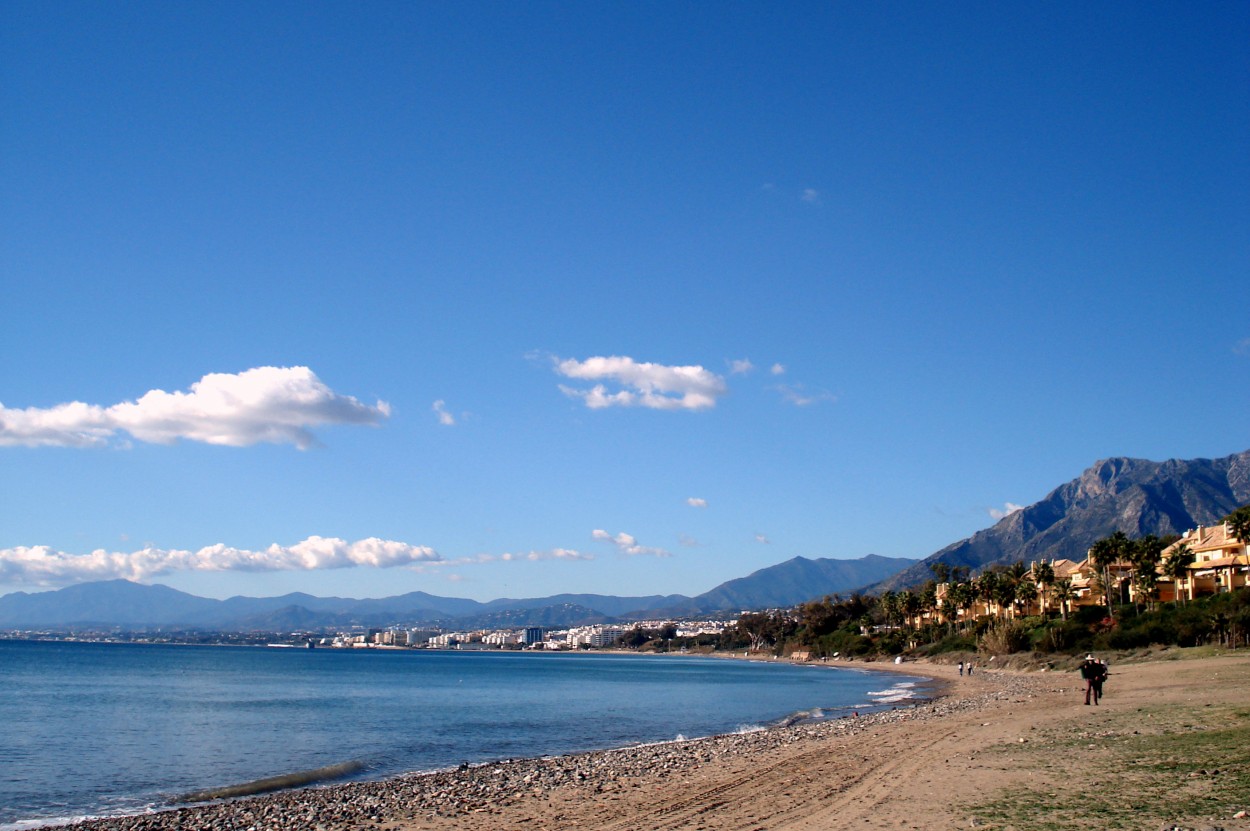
1204,538
1221,562
1065,568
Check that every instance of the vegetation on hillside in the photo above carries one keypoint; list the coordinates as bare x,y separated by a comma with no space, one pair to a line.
939,616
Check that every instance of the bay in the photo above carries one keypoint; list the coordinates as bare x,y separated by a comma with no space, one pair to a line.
99,729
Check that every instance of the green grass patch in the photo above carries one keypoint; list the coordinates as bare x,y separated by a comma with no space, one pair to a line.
1188,765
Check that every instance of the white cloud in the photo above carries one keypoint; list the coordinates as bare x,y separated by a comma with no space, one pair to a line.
741,366
626,544
696,502
777,369
266,404
444,418
796,395
762,540
655,386
1006,511
811,196
41,565
689,541
1242,347
537,556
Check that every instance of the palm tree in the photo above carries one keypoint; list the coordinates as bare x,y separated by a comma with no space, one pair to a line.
909,605
929,601
1105,553
1144,554
1239,526
941,571
962,596
1044,576
1101,555
1064,594
1176,567
1005,595
1239,523
987,588
889,605
1026,593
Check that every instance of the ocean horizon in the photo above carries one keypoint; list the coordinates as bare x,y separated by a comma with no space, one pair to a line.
98,729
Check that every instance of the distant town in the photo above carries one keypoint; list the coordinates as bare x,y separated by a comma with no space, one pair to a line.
597,636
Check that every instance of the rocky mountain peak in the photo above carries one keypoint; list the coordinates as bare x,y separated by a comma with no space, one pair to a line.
1136,496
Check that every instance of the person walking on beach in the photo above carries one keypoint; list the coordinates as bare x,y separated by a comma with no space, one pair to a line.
1093,673
1103,671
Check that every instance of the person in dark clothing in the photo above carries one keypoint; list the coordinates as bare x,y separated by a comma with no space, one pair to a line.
1093,673
1102,676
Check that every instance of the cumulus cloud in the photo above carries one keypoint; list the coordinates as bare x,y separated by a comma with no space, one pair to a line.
1006,511
799,397
444,418
626,544
741,366
654,386
41,565
696,502
777,369
266,404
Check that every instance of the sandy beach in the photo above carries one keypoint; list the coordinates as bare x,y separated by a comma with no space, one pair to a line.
1168,748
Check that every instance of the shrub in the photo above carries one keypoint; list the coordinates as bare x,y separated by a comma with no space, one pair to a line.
951,643
1004,638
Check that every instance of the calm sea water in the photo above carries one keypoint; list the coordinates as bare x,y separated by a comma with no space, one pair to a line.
97,729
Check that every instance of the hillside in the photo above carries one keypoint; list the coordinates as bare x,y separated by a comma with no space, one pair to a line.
796,581
1135,496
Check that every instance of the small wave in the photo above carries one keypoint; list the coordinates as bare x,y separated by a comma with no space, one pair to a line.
901,691
74,819
29,824
274,783
743,729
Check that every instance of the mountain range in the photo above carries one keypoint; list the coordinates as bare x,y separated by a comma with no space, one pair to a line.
1135,496
123,604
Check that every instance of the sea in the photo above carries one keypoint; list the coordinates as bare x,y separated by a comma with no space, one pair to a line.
101,729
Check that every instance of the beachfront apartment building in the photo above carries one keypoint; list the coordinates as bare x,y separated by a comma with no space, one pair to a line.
1221,563
596,636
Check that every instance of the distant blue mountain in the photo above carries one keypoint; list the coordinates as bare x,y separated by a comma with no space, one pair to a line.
122,604
797,581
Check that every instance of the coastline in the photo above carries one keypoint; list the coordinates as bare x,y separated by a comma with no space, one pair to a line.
451,794
991,744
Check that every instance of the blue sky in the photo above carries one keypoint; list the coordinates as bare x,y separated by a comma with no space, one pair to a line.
511,299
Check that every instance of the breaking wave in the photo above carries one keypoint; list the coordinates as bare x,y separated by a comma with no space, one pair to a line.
902,691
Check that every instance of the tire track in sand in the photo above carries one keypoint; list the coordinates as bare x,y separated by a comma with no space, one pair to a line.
847,786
